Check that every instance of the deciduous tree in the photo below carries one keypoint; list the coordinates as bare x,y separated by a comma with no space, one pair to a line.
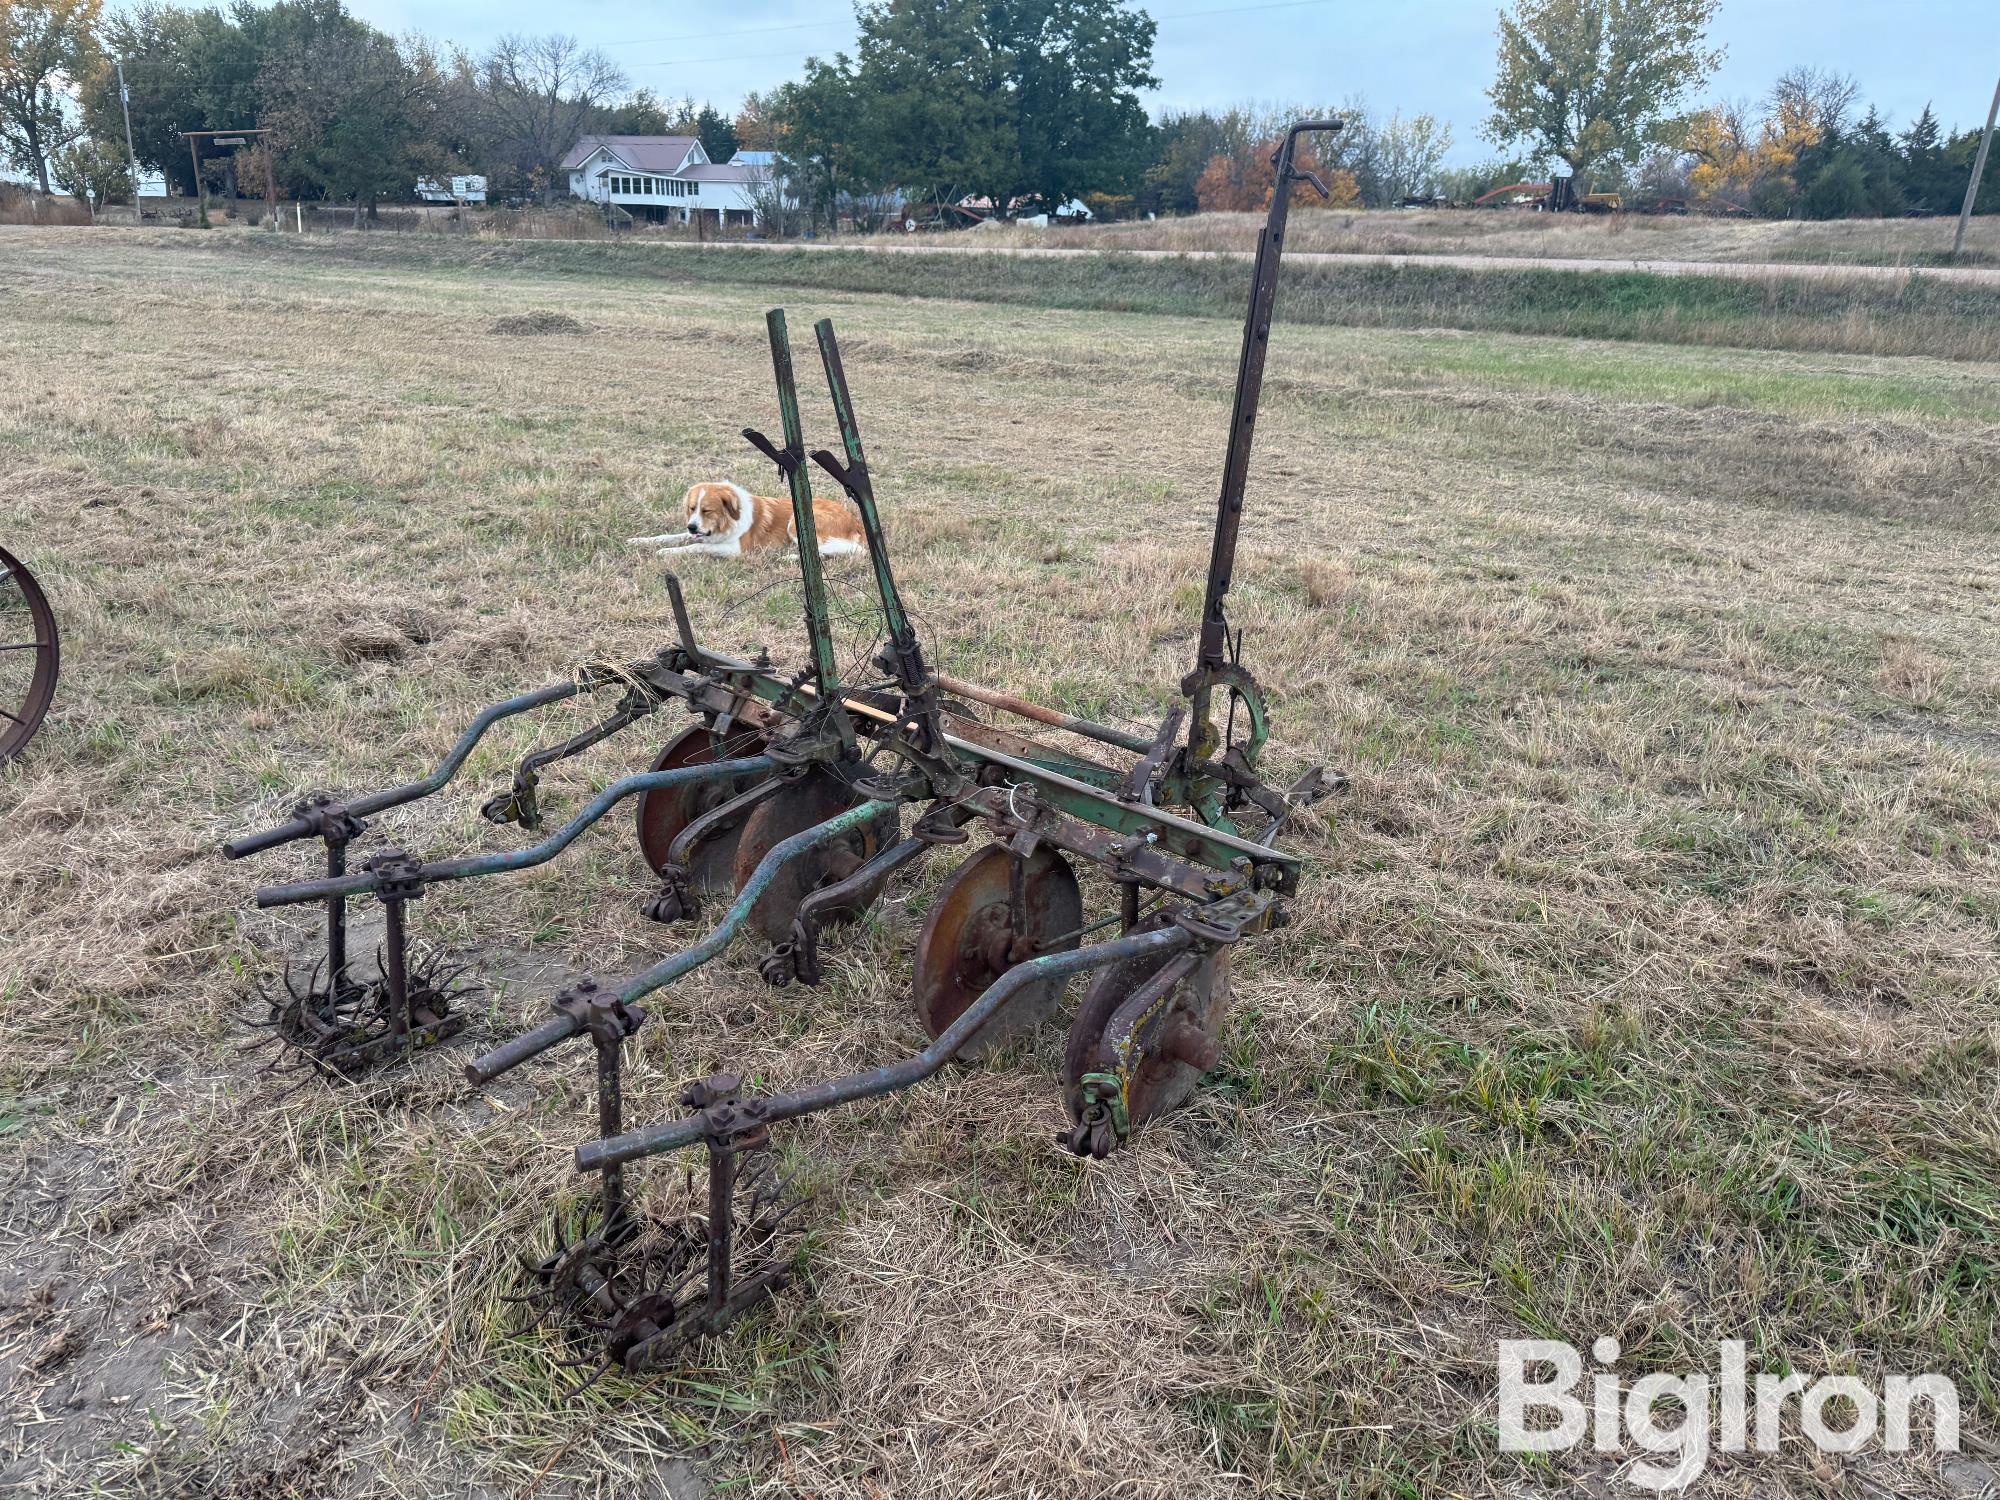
935,118
356,114
1074,69
539,94
47,47
1243,180
1588,81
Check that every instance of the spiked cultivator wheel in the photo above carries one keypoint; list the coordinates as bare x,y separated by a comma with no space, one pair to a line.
326,1018
631,1299
787,799
349,1028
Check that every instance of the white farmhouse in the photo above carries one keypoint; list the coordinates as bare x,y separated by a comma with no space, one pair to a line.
667,178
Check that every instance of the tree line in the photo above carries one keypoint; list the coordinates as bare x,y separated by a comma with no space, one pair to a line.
1604,89
356,115
1018,103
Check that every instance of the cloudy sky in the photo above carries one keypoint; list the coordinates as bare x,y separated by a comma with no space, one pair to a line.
1412,55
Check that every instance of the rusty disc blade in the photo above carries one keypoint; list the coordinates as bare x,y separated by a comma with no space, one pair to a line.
30,655
969,940
665,811
1158,1078
807,802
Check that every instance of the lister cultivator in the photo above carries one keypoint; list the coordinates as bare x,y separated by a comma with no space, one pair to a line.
800,796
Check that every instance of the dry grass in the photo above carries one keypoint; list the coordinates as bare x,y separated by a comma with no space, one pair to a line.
1420,231
1643,983
19,205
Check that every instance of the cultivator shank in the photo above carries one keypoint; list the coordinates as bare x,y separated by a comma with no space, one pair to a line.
788,797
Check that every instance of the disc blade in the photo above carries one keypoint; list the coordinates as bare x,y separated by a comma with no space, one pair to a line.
969,941
804,804
1156,1078
664,811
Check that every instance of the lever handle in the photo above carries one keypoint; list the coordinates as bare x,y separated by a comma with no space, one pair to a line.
779,456
842,475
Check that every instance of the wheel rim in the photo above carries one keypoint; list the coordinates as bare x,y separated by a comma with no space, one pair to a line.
1156,1079
664,811
805,804
968,941
30,655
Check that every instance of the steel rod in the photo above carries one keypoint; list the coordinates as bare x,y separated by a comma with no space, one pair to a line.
1055,719
375,802
434,871
724,932
595,1155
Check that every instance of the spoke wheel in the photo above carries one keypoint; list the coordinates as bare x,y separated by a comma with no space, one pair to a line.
802,805
30,655
1166,1054
665,811
969,941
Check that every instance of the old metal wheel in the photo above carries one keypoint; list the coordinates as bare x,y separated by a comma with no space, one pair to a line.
969,941
30,655
1169,1055
665,811
804,804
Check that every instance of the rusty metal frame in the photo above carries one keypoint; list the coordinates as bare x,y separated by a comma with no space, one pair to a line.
888,746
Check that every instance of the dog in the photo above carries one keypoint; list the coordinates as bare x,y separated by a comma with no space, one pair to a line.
726,520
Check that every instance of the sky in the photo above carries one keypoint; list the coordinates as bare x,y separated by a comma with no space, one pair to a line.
1414,56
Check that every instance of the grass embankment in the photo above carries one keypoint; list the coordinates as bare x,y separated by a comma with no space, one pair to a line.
1823,313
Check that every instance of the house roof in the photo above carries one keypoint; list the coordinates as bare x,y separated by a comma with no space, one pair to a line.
724,172
642,153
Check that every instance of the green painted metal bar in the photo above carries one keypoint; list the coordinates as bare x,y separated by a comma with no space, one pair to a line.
819,629
1079,789
724,933
860,487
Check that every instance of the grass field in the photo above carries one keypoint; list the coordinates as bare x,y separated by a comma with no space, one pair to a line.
1629,236
1643,982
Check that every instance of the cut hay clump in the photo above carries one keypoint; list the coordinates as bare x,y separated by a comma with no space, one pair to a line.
536,324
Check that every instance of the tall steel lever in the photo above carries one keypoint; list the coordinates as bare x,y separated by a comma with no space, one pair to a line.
1212,663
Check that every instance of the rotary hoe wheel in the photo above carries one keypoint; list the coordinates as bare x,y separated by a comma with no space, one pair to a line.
805,803
665,811
1125,1064
972,937
30,655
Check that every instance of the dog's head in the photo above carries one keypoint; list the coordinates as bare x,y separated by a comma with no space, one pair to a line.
714,509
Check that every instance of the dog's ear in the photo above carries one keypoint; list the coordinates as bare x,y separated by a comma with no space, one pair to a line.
732,502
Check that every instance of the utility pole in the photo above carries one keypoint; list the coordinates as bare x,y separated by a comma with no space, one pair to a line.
131,156
1978,170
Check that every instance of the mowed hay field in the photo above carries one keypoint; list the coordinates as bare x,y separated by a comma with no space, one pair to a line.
1643,982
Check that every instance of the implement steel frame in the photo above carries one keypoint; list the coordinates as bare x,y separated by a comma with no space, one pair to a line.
903,745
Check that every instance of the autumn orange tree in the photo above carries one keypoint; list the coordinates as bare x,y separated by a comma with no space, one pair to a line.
46,48
1242,181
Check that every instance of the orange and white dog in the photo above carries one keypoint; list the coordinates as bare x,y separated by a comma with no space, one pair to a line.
726,520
